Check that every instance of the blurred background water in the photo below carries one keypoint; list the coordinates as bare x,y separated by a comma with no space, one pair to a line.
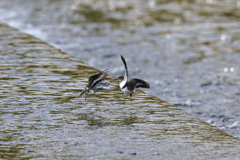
188,50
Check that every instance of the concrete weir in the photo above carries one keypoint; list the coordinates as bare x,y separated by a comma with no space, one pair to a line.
42,116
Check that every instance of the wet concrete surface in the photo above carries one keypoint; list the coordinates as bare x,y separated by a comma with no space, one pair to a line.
42,118
187,50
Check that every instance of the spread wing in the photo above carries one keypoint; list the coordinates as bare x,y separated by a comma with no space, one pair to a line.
137,83
83,92
126,69
96,78
104,86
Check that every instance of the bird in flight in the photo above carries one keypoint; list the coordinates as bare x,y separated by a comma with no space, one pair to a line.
128,87
96,82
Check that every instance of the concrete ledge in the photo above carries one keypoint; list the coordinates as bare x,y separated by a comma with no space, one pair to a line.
42,117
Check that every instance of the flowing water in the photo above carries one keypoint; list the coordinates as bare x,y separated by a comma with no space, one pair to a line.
187,50
43,117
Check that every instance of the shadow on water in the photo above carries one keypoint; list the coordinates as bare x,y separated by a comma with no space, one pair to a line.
42,117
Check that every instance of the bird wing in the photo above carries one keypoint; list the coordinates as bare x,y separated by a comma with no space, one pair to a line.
96,78
104,86
126,69
83,92
137,83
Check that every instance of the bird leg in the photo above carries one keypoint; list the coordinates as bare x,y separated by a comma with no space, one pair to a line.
125,99
136,94
86,94
120,96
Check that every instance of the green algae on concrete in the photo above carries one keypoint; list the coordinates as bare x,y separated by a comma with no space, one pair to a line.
42,117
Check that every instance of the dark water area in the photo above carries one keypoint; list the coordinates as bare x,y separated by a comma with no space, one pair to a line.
43,117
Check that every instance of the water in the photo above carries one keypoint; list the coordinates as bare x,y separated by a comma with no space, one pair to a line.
42,117
184,49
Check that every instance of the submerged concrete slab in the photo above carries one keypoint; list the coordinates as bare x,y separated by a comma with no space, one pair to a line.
42,117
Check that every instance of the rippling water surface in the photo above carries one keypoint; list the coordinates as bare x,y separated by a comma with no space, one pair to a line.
42,117
186,49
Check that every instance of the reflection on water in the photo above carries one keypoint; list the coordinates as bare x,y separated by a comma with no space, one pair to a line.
42,117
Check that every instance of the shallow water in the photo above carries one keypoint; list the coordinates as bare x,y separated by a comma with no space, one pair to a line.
188,50
42,117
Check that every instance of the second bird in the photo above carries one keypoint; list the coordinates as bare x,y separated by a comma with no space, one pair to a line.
97,82
128,87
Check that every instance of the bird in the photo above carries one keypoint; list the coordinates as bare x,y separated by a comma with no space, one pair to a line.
96,82
128,87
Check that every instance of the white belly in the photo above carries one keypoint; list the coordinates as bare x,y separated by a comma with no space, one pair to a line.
122,83
126,91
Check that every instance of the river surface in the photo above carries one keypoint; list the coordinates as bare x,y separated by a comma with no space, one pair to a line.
43,117
189,51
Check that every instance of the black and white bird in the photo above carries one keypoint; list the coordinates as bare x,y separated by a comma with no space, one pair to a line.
128,87
96,82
